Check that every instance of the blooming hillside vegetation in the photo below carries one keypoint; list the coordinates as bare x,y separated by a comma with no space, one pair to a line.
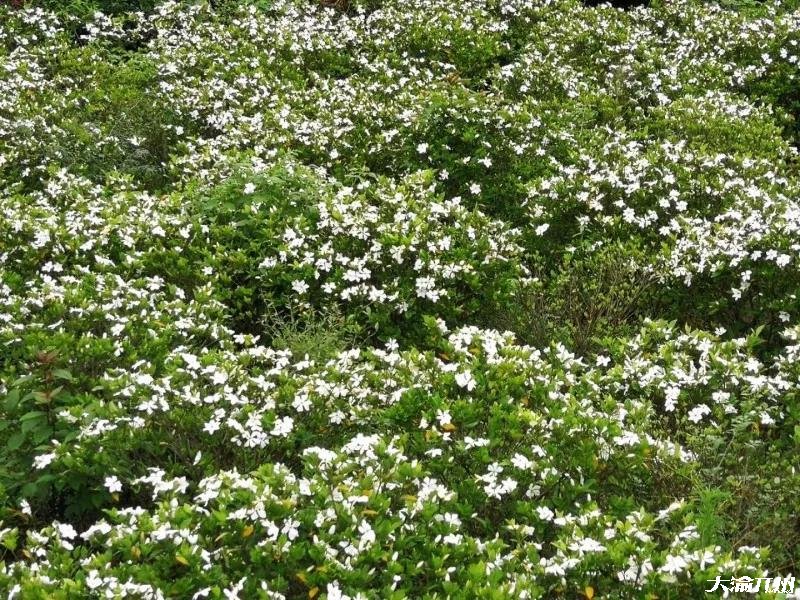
386,299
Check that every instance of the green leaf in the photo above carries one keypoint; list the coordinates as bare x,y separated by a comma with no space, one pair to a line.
62,374
12,399
15,441
10,540
34,414
41,435
21,380
33,424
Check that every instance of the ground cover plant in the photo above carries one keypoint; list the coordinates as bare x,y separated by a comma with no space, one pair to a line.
382,299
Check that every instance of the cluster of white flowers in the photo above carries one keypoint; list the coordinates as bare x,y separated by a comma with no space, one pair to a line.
372,481
168,178
394,245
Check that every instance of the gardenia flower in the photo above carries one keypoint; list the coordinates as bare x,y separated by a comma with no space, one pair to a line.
521,462
698,412
41,461
587,545
465,380
113,484
674,564
300,286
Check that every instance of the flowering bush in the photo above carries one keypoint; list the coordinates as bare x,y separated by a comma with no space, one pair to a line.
395,250
492,465
376,299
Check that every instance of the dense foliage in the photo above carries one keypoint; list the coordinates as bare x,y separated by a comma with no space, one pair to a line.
385,299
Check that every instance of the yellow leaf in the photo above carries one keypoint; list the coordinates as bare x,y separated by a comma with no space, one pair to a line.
312,593
301,576
115,497
449,427
247,531
182,560
588,591
136,553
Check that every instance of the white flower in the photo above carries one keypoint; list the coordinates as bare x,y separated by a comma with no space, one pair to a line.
290,528
94,581
698,412
466,380
211,426
283,427
671,400
41,461
335,592
475,189
541,229
587,545
470,442
301,402
113,484
66,531
249,188
422,148
674,564
521,462
300,286
508,485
